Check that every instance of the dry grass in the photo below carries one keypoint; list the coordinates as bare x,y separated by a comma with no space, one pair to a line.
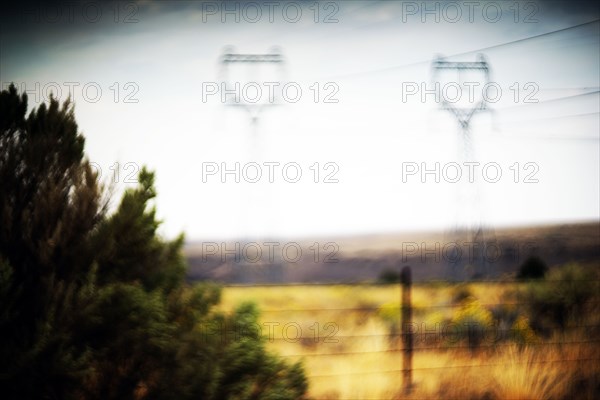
353,357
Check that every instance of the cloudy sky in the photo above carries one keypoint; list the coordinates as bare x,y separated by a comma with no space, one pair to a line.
355,111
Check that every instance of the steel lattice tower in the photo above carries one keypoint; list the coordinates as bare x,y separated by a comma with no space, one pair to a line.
229,57
251,204
469,233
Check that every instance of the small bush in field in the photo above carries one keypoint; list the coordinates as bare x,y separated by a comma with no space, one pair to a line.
471,321
460,294
532,268
561,299
388,277
521,331
390,314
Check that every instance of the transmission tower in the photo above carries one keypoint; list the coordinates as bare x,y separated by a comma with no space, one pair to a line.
469,237
251,205
230,58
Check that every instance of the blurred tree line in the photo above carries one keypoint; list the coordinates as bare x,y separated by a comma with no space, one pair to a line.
94,305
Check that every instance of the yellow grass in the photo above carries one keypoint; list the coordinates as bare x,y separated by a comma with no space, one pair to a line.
348,354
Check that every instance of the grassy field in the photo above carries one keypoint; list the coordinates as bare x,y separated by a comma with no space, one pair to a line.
346,338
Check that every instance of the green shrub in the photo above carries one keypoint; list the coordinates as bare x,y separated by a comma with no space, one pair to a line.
532,268
471,322
560,301
521,331
461,293
389,276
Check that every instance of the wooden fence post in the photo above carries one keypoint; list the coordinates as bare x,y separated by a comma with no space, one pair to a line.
407,331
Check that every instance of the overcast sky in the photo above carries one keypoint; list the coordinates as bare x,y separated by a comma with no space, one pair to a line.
146,80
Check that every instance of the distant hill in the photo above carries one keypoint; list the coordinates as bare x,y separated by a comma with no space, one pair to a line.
354,259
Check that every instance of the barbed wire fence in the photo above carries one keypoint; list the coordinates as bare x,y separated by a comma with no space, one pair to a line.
410,339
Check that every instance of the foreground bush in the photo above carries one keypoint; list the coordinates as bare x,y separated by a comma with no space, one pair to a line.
95,306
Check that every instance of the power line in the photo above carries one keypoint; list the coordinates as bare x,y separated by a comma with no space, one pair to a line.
427,282
550,118
529,38
416,63
376,308
376,335
450,347
454,366
416,283
562,98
